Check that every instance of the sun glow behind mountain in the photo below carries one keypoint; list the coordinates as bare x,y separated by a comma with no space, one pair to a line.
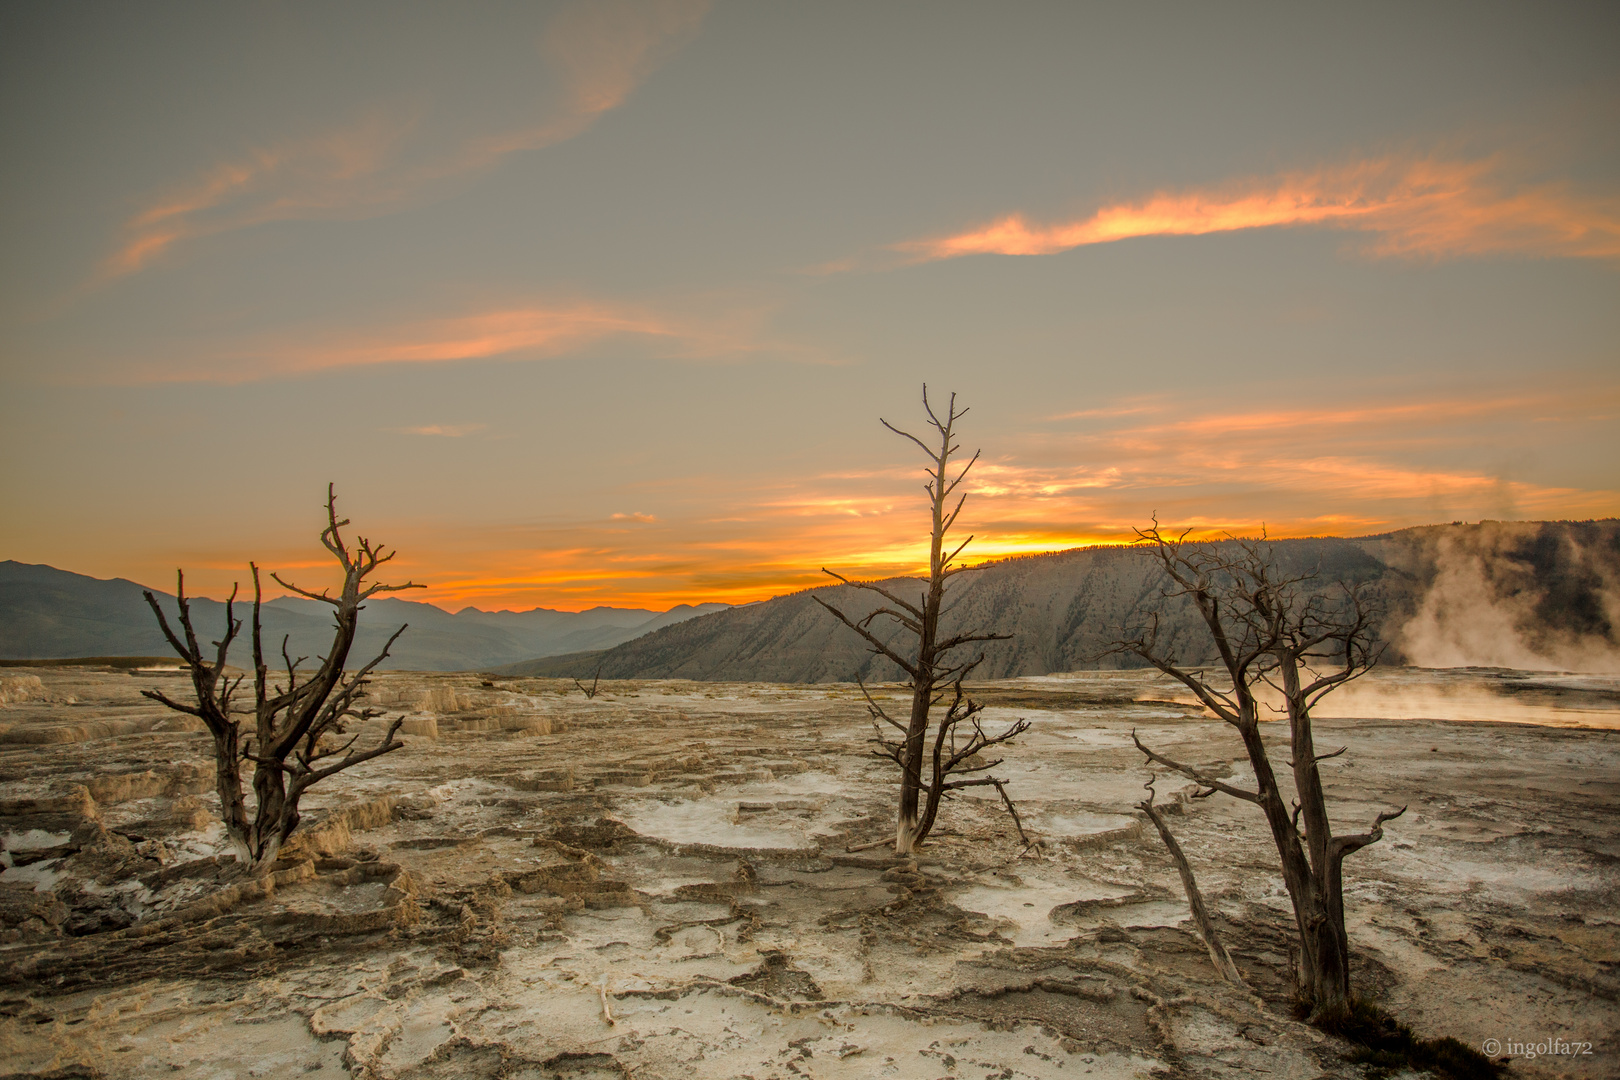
727,541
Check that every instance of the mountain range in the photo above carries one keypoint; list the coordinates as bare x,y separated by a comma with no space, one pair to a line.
46,613
1500,594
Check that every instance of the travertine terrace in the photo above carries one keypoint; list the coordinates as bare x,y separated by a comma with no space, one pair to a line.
678,880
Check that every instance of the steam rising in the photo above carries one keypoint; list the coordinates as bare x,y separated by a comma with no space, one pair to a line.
1499,697
1518,595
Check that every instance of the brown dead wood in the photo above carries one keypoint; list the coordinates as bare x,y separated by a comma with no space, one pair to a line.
595,682
295,724
1195,899
934,676
1270,627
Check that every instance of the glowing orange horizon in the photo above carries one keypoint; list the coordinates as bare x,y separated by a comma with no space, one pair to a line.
577,588
574,580
738,571
736,539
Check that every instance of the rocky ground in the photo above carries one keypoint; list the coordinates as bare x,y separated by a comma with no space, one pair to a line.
674,880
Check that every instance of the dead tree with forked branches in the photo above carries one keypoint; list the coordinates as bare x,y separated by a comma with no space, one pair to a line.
1189,885
293,743
1282,630
590,691
935,677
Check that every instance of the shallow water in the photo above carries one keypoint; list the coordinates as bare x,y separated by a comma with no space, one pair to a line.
1470,695
1485,695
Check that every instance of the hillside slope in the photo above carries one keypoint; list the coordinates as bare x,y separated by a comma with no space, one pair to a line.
46,613
1062,610
1520,594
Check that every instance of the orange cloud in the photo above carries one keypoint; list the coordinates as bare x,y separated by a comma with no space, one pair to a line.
494,333
342,172
601,51
598,50
519,331
449,431
1424,207
1367,466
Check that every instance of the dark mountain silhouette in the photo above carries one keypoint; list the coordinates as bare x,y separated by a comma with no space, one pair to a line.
46,613
1527,594
1548,584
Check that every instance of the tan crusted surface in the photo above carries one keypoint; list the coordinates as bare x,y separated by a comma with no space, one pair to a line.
676,853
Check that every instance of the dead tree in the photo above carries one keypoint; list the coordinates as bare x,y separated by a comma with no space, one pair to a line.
1278,629
1189,885
293,742
590,692
934,675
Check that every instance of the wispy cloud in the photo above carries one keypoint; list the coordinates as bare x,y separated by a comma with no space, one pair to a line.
512,332
1362,466
339,172
645,519
537,330
1426,207
599,52
448,431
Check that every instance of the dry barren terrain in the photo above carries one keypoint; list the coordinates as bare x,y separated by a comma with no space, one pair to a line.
659,882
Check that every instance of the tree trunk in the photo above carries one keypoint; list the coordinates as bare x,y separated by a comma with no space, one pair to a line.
1326,978
936,781
910,816
1327,945
228,783
929,668
908,830
1324,945
1195,900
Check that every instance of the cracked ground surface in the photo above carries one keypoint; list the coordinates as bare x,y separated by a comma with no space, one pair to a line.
660,882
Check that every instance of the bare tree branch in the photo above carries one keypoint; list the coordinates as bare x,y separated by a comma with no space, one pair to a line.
591,693
1344,845
1278,628
1193,774
933,674
290,721
1195,899
877,644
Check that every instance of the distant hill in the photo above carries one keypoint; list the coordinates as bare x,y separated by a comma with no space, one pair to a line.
46,613
1496,594
1521,594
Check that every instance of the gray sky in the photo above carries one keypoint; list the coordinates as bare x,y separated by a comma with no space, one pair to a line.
586,303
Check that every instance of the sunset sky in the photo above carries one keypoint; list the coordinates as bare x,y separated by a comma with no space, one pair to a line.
600,303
